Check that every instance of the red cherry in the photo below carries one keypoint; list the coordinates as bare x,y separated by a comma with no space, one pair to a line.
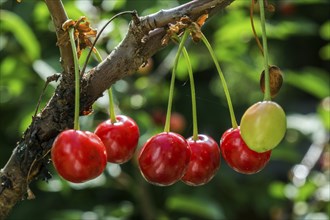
204,160
164,158
120,138
239,156
78,156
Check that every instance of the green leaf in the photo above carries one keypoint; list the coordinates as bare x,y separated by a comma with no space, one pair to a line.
22,32
276,189
66,214
72,10
195,206
306,191
325,51
8,66
113,5
311,2
323,109
41,16
285,29
312,80
325,31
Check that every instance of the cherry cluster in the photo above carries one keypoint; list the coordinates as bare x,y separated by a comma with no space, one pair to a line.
168,157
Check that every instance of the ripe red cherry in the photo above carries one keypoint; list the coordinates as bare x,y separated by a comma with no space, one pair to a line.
239,156
78,156
164,158
120,138
204,161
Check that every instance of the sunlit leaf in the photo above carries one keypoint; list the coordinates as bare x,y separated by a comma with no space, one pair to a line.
323,110
286,29
3,41
276,189
22,32
306,191
194,206
325,51
8,66
66,214
113,5
325,31
311,2
237,27
16,86
72,11
26,121
41,16
125,209
311,80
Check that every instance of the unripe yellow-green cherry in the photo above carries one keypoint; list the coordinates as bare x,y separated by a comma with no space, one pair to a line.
263,126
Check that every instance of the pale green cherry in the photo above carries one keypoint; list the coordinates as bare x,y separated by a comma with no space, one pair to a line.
263,126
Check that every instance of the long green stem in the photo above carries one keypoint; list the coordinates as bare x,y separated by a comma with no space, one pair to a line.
193,95
170,97
77,80
267,95
111,107
223,81
98,55
111,103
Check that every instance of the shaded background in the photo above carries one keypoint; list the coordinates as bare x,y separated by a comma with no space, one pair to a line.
294,185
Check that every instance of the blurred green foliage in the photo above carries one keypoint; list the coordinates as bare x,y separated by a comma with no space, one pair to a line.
299,33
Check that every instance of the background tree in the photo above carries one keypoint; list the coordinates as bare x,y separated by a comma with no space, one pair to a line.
298,35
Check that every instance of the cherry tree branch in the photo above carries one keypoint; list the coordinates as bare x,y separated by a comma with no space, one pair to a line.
30,157
59,16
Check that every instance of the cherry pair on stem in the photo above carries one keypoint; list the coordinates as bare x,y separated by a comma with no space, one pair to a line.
247,148
168,157
79,156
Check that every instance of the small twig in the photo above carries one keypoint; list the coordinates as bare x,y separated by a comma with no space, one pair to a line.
34,161
49,79
133,13
253,28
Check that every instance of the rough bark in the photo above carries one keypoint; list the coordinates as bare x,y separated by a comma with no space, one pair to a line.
31,155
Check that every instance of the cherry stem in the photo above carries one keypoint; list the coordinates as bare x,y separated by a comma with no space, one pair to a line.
170,97
77,80
111,107
253,28
267,96
193,95
223,81
111,102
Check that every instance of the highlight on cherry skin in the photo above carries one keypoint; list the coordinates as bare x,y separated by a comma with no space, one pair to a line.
263,126
120,138
164,158
78,156
239,156
204,161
